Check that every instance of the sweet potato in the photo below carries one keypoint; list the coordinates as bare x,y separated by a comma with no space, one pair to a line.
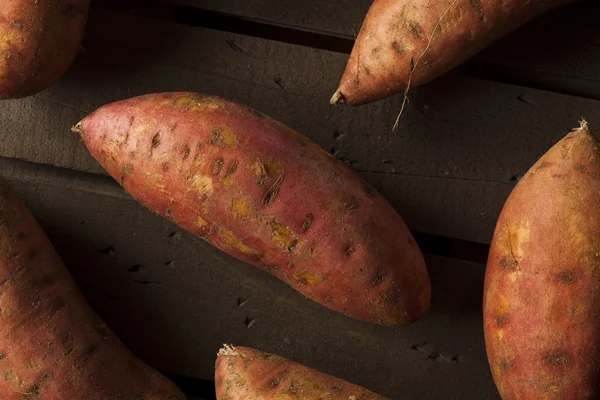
38,42
249,374
542,287
52,344
427,38
265,194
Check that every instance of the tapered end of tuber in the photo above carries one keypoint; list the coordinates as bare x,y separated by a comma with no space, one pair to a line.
583,126
338,98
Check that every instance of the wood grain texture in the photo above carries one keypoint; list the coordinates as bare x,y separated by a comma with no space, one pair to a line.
558,50
174,300
340,17
460,133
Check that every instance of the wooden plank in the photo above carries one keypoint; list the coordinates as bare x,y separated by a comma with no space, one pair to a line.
174,300
340,17
556,50
458,129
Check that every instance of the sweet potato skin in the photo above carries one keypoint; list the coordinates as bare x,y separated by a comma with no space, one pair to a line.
395,34
265,194
542,293
38,42
52,345
249,374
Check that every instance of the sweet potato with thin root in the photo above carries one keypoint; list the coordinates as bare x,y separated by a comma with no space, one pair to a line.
38,41
52,344
265,194
425,38
242,373
542,285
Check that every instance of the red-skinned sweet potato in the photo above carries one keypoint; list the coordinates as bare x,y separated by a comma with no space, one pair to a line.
265,194
38,42
249,374
542,287
52,344
396,33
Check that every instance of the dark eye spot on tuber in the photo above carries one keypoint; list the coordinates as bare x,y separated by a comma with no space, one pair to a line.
307,224
506,366
567,276
415,29
500,321
557,359
2,356
349,250
379,277
292,245
329,298
218,165
273,192
186,152
274,382
232,168
352,205
397,47
169,212
165,166
155,141
507,263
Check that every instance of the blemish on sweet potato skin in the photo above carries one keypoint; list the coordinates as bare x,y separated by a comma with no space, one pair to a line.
38,41
264,193
60,339
541,328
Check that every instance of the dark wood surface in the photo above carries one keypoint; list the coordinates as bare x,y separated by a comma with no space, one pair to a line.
461,146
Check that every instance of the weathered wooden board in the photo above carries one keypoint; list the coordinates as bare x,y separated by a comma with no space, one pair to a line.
340,17
174,300
464,136
558,50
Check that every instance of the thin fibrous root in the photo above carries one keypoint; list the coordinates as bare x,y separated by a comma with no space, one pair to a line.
418,60
583,125
77,129
228,350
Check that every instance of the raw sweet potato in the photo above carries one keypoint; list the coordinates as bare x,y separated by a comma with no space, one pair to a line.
267,195
542,286
38,41
248,374
427,38
52,344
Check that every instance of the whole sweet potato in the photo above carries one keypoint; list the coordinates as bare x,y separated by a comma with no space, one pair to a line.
38,41
427,38
542,285
248,374
52,344
265,194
